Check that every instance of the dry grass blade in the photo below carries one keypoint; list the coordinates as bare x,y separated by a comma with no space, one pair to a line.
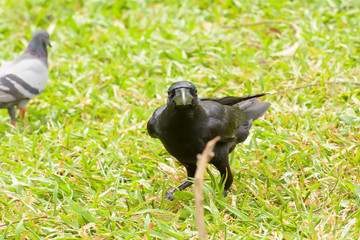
203,160
25,220
286,52
293,25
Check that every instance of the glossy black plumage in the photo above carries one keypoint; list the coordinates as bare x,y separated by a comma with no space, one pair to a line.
186,123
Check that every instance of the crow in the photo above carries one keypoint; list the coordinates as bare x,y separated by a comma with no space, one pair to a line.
186,123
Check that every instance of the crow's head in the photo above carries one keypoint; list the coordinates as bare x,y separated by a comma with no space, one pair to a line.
182,94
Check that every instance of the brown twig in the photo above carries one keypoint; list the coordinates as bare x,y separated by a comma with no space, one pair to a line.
203,160
293,25
25,220
312,85
286,52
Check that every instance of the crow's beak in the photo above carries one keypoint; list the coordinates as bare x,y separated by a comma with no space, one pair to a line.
182,97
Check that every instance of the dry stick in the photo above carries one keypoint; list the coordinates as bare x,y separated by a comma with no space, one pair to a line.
286,52
267,22
293,25
312,85
25,220
203,160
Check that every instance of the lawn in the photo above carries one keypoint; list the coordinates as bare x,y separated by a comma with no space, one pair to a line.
82,166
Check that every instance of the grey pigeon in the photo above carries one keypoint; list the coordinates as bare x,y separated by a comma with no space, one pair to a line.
26,76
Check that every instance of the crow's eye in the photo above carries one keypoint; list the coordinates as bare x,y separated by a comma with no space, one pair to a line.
171,94
193,91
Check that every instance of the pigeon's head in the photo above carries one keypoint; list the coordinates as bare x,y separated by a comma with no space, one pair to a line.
38,43
182,94
41,37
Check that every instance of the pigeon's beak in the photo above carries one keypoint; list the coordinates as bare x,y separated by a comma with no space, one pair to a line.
48,41
183,97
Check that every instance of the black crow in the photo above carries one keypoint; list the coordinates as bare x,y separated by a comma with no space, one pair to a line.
186,123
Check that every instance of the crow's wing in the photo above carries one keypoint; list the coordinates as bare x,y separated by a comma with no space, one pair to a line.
230,100
253,109
229,122
152,125
223,120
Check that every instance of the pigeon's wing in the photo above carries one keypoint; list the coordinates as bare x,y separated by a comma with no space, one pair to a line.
230,100
25,78
6,98
223,120
10,90
7,67
152,125
3,67
11,85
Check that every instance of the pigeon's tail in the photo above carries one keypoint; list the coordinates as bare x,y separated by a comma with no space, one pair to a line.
253,109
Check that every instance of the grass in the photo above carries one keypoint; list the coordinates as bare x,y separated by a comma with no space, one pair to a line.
82,157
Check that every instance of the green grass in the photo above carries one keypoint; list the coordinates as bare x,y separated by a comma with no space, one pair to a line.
82,156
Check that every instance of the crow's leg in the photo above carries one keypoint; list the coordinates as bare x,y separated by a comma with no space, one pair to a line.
224,168
12,115
190,168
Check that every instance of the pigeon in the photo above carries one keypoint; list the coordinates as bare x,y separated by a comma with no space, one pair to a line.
26,76
186,123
